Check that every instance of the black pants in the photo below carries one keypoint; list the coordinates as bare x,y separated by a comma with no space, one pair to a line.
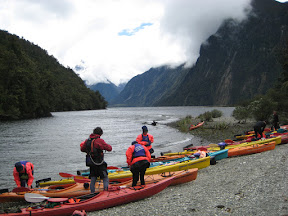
24,182
275,126
258,131
139,168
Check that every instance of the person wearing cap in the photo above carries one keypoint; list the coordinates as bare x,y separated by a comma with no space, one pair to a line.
94,147
23,174
138,159
146,139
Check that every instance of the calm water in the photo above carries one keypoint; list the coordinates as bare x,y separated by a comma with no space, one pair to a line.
52,144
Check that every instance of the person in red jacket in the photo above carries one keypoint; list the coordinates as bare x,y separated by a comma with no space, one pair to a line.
23,174
146,139
94,147
138,159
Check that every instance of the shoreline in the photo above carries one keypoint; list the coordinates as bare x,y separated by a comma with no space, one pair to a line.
247,185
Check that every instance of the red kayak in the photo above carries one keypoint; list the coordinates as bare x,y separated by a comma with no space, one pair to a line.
102,200
192,127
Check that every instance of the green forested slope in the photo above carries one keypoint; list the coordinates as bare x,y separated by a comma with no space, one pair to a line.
33,84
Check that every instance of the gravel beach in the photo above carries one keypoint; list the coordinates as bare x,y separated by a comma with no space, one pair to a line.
248,185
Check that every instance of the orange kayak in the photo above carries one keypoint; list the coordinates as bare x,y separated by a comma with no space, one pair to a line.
192,127
256,148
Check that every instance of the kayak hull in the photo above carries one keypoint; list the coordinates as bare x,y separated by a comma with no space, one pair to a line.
192,127
251,149
104,199
219,155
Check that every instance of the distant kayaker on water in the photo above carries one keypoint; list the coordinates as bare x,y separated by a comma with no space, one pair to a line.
23,174
138,159
259,128
94,147
146,139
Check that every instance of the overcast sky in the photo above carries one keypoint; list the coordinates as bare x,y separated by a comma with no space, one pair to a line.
118,39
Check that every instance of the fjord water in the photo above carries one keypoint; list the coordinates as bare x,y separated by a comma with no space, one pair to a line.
52,144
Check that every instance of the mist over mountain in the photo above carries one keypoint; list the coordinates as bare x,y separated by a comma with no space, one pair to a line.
239,61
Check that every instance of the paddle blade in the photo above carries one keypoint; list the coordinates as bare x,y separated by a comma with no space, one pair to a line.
81,180
20,189
112,167
66,175
33,198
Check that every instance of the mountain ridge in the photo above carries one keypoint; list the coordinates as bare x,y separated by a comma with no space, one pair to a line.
239,61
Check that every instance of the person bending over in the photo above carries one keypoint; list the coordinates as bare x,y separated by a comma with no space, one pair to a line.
138,159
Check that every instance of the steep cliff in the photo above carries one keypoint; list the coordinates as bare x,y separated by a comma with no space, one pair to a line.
239,61
148,88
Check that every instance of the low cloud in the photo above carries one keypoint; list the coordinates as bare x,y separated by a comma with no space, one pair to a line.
190,23
116,40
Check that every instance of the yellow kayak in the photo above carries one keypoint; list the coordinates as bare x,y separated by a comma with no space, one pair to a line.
277,140
173,166
57,182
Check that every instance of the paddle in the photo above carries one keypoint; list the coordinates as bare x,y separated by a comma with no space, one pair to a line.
33,198
68,175
113,167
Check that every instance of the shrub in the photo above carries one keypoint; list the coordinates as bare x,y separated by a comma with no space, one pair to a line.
242,113
207,116
184,123
216,113
262,108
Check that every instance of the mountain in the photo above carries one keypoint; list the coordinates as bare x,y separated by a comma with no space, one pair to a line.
108,90
148,88
238,62
33,84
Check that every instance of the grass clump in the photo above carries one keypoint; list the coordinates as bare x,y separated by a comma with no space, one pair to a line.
209,115
221,126
184,124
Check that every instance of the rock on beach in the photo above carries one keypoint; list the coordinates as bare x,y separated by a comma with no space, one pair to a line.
254,184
